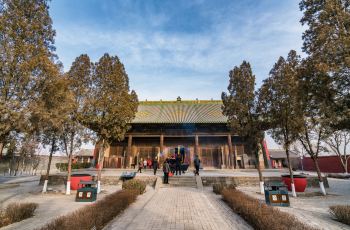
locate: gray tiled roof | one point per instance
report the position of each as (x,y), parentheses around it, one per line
(179,112)
(281,153)
(84,152)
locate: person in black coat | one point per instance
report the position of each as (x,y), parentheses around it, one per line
(196,163)
(166,170)
(178,164)
(155,165)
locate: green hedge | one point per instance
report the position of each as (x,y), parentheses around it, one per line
(64,166)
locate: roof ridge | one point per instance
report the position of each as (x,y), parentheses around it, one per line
(182,101)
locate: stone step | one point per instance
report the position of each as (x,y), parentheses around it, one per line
(182,178)
(182,181)
(175,179)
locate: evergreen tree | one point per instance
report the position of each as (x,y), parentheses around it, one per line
(26,58)
(78,79)
(327,42)
(240,107)
(50,112)
(110,106)
(316,111)
(279,104)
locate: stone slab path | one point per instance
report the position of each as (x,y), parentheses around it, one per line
(178,208)
(314,210)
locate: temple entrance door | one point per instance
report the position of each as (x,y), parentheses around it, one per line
(210,157)
(182,151)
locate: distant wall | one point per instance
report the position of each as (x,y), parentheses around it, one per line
(44,160)
(312,181)
(327,164)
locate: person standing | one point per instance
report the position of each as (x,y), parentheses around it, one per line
(178,164)
(166,170)
(155,165)
(145,164)
(197,163)
(140,167)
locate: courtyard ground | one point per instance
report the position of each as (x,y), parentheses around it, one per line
(51,205)
(177,208)
(313,208)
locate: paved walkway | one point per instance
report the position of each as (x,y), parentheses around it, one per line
(50,205)
(178,208)
(314,210)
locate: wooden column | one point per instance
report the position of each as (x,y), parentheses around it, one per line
(232,162)
(196,145)
(235,157)
(128,153)
(227,159)
(222,154)
(161,146)
(196,150)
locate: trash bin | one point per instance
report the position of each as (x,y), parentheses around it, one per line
(276,194)
(88,192)
(76,178)
(127,176)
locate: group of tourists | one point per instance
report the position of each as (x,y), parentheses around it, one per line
(167,168)
(170,165)
(148,163)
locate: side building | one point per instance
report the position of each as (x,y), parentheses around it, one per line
(165,128)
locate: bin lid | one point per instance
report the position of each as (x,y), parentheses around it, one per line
(276,184)
(87,182)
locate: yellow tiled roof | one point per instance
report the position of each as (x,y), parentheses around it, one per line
(178,112)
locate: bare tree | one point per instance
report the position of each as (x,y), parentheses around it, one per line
(338,143)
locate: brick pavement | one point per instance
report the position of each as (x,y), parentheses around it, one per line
(178,208)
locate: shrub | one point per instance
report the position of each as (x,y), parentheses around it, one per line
(135,184)
(341,213)
(217,188)
(16,212)
(95,216)
(64,166)
(259,215)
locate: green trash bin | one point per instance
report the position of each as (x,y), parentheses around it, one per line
(88,192)
(276,194)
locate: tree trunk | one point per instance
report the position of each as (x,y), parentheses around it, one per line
(100,164)
(12,164)
(49,166)
(261,179)
(344,163)
(291,173)
(70,156)
(320,179)
(17,167)
(1,149)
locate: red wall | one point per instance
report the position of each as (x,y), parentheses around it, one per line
(327,164)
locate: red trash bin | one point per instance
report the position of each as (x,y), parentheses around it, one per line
(76,178)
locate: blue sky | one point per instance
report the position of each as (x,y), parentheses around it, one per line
(178,48)
(181,48)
